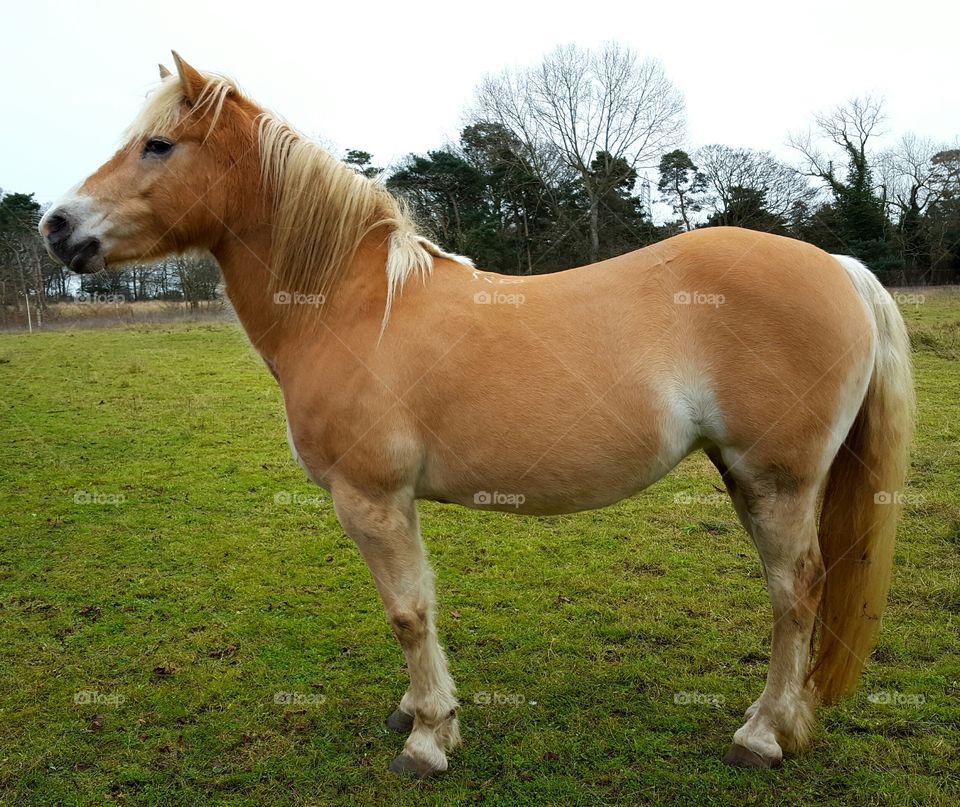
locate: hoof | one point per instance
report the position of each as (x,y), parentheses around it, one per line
(406,765)
(742,757)
(400,721)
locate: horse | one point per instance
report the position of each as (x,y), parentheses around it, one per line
(407,374)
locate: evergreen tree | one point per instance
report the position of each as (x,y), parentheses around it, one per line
(362,163)
(681,184)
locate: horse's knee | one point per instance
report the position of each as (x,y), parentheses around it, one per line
(409,624)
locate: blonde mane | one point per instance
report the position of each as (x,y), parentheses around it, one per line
(314,193)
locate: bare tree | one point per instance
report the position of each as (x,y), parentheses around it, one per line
(198,277)
(918,174)
(23,263)
(588,114)
(729,170)
(861,226)
(850,127)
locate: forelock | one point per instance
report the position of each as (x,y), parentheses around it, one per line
(166,106)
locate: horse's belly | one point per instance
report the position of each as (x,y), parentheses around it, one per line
(534,502)
(560,480)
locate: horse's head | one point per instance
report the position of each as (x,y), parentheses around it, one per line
(171,186)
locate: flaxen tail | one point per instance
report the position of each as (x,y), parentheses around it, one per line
(862,498)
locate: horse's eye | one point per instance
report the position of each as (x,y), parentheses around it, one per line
(157,147)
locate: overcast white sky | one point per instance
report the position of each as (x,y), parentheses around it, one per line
(394,78)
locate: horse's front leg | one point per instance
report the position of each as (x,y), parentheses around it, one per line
(385,528)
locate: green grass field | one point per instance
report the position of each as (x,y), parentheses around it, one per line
(183,622)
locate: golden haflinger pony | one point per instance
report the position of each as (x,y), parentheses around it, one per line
(407,374)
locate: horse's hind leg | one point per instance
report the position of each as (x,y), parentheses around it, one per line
(385,529)
(739,500)
(779,512)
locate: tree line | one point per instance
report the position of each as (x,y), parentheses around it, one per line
(562,163)
(29,276)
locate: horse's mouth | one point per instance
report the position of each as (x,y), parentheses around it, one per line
(83,258)
(88,258)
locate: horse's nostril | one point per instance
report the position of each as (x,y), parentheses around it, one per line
(57,227)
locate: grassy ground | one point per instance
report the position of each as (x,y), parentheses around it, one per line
(182,621)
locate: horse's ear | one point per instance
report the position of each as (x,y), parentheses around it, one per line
(191,79)
(163,72)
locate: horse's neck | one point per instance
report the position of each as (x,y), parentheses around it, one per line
(244,264)
(274,326)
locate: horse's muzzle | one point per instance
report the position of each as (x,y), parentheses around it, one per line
(82,255)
